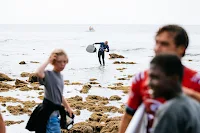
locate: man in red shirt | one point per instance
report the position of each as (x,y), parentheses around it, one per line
(169,39)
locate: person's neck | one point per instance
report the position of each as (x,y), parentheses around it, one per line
(56,70)
(171,95)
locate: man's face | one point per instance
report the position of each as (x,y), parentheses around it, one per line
(159,83)
(165,44)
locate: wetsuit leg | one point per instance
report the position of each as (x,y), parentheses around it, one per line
(99,56)
(103,56)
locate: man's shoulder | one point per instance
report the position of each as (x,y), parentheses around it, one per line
(191,77)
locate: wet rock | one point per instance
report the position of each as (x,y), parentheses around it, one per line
(115,98)
(189,60)
(125,89)
(33,78)
(20,82)
(122,62)
(3,104)
(130,76)
(116,62)
(76,83)
(22,63)
(5,87)
(18,110)
(111,127)
(76,98)
(4,77)
(77,112)
(93,82)
(25,74)
(85,88)
(34,62)
(98,117)
(122,79)
(26,88)
(118,84)
(41,97)
(96,98)
(81,127)
(93,79)
(120,69)
(8,99)
(29,104)
(8,123)
(40,93)
(114,56)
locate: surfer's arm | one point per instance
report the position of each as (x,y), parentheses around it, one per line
(107,47)
(98,43)
(126,118)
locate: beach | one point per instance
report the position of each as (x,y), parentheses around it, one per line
(106,86)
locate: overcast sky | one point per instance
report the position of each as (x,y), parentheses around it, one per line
(100,12)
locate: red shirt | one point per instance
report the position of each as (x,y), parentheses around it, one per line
(139,92)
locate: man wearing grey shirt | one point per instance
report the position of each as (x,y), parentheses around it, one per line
(180,113)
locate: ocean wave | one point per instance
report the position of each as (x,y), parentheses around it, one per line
(189,54)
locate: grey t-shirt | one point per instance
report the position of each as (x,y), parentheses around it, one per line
(179,115)
(54,85)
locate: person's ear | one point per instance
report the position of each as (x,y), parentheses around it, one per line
(181,50)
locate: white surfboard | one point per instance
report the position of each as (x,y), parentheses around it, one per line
(91,48)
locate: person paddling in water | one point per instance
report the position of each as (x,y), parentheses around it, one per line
(103,48)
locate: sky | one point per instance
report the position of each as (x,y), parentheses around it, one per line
(184,12)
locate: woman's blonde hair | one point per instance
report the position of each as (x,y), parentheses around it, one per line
(59,52)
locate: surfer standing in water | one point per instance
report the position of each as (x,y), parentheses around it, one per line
(102,49)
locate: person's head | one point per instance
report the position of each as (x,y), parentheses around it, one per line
(165,75)
(60,61)
(106,42)
(172,39)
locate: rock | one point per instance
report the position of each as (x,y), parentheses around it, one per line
(122,62)
(76,83)
(77,112)
(189,60)
(114,56)
(122,79)
(120,69)
(19,82)
(4,77)
(116,62)
(8,123)
(85,88)
(93,79)
(34,62)
(33,78)
(130,76)
(115,97)
(22,63)
(5,87)
(41,97)
(29,104)
(25,74)
(18,110)
(98,117)
(93,82)
(8,99)
(26,88)
(3,104)
(125,89)
(118,84)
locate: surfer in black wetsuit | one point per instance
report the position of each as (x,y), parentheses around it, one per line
(103,48)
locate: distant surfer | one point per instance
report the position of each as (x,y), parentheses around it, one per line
(91,28)
(103,48)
